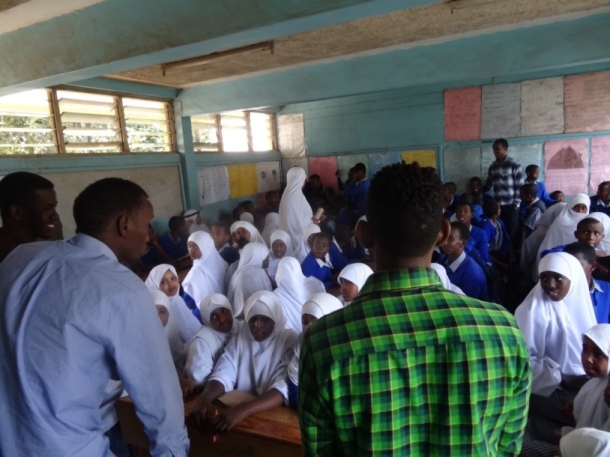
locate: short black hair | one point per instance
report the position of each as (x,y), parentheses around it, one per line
(18,189)
(451,185)
(360,167)
(586,250)
(501,142)
(104,201)
(529,189)
(175,222)
(462,229)
(476,178)
(405,208)
(465,200)
(324,235)
(603,184)
(314,177)
(270,194)
(223,226)
(555,193)
(530,168)
(588,220)
(343,233)
(490,208)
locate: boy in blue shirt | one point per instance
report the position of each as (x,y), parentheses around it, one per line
(601,202)
(534,208)
(221,234)
(494,228)
(477,245)
(532,172)
(356,193)
(600,290)
(462,270)
(174,242)
(317,263)
(589,231)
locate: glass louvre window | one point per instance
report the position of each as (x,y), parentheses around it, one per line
(234,131)
(148,125)
(26,125)
(261,125)
(90,122)
(205,133)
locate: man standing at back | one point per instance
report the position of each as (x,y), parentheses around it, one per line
(72,318)
(506,177)
(410,368)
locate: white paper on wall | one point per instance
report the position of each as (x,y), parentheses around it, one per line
(291,135)
(213,185)
(501,111)
(268,176)
(542,106)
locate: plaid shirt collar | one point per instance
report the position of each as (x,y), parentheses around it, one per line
(407,278)
(457,262)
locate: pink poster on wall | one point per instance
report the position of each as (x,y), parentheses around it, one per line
(326,168)
(463,114)
(600,162)
(587,102)
(565,166)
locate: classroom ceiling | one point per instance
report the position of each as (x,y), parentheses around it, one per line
(432,23)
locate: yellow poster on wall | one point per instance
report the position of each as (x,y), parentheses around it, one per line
(242,180)
(424,158)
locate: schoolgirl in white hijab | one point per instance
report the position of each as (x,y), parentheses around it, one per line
(293,290)
(272,223)
(194,222)
(208,344)
(304,246)
(552,329)
(254,362)
(586,442)
(208,272)
(605,220)
(295,213)
(255,236)
(274,260)
(354,276)
(447,284)
(562,230)
(250,277)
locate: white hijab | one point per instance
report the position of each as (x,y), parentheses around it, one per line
(293,290)
(273,260)
(447,284)
(250,277)
(589,407)
(255,236)
(295,213)
(318,305)
(208,272)
(304,247)
(272,223)
(356,273)
(246,217)
(175,338)
(553,329)
(605,220)
(257,367)
(191,215)
(562,229)
(586,442)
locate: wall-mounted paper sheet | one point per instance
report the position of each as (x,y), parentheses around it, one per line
(600,162)
(461,164)
(326,169)
(346,162)
(213,185)
(291,135)
(424,158)
(542,106)
(378,160)
(501,111)
(463,114)
(525,154)
(287,164)
(268,176)
(587,102)
(242,179)
(565,166)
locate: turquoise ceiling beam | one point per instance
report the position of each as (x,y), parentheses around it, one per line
(120,35)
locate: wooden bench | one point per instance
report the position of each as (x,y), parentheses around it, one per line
(269,434)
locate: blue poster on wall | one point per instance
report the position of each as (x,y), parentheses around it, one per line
(378,160)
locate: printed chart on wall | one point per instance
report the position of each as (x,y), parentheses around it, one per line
(463,114)
(501,111)
(243,180)
(566,166)
(587,99)
(346,162)
(326,169)
(378,160)
(424,158)
(525,154)
(213,185)
(268,176)
(600,162)
(461,164)
(542,106)
(287,164)
(291,135)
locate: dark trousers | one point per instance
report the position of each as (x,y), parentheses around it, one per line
(510,217)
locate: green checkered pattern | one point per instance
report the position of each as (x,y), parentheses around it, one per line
(411,369)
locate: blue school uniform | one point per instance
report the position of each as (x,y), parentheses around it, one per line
(478,242)
(354,253)
(337,258)
(465,273)
(600,298)
(598,206)
(175,250)
(151,257)
(356,195)
(311,267)
(499,241)
(552,250)
(229,254)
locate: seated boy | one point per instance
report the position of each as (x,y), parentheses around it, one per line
(589,231)
(494,228)
(348,244)
(174,242)
(221,235)
(534,208)
(317,263)
(601,202)
(557,195)
(600,290)
(477,209)
(462,270)
(477,245)
(272,198)
(155,254)
(532,172)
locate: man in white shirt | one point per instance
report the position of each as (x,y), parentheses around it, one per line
(72,317)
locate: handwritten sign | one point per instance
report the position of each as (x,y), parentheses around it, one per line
(501,111)
(600,162)
(542,106)
(213,185)
(463,114)
(587,99)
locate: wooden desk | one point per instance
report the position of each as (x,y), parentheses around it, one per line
(269,434)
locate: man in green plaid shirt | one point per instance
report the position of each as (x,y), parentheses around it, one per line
(409,368)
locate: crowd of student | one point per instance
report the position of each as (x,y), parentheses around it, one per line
(260,278)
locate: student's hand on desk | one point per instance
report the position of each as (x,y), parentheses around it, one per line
(188,387)
(229,418)
(203,413)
